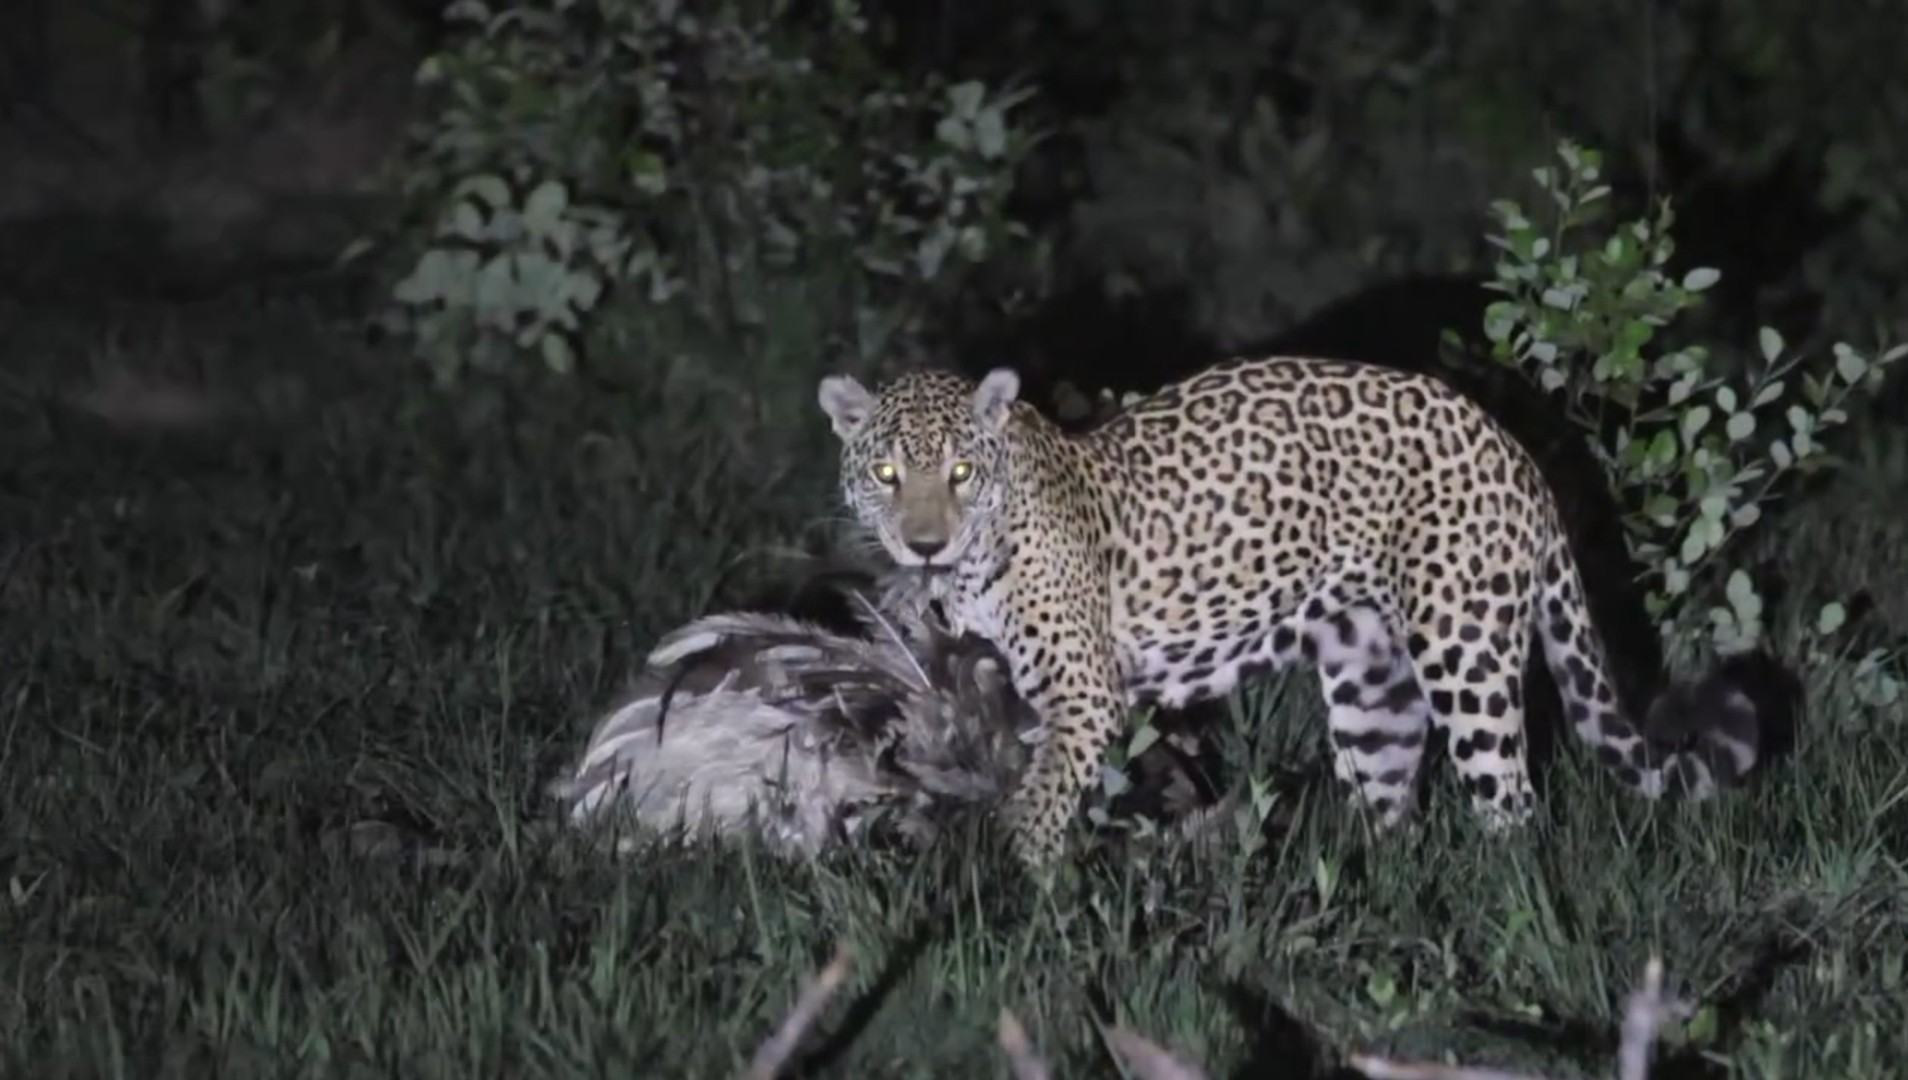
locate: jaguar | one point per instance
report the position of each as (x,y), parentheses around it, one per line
(1372,522)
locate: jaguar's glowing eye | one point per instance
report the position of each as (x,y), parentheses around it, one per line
(886,473)
(962,472)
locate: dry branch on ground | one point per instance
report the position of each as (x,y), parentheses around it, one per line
(1644,1015)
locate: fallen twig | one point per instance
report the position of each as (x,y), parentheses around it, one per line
(1148,1060)
(774,1054)
(1380,1069)
(1643,1017)
(1021,1057)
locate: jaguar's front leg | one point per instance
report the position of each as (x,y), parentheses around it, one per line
(1072,683)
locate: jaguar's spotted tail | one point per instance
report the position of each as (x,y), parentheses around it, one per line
(1695,738)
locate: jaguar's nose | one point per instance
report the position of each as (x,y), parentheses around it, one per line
(927,549)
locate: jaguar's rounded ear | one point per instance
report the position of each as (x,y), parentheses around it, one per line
(846,402)
(995,398)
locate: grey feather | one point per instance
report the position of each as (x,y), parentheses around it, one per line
(761,721)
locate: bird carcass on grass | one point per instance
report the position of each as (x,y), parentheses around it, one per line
(764,721)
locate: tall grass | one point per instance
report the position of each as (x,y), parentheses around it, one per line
(358,607)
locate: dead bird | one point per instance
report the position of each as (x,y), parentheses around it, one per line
(807,733)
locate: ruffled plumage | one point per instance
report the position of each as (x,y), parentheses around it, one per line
(763,720)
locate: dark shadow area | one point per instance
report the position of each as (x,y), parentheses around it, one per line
(1776,953)
(1277,1043)
(1598,1040)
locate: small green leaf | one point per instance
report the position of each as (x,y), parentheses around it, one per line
(1743,598)
(485,188)
(1143,740)
(356,250)
(1849,364)
(647,172)
(990,134)
(1831,618)
(1680,390)
(1661,509)
(1702,1027)
(1508,214)
(953,131)
(465,223)
(1740,426)
(1701,278)
(1770,341)
(425,282)
(1500,318)
(497,291)
(1675,579)
(585,288)
(1662,448)
(544,208)
(964,99)
(1693,422)
(557,354)
(1693,546)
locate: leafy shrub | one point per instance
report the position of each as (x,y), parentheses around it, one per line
(1694,453)
(687,156)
